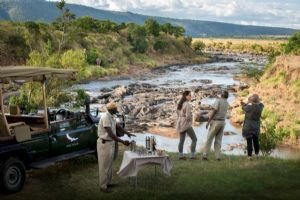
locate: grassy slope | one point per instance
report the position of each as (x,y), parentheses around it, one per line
(114,47)
(232,178)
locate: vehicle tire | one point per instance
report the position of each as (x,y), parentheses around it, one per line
(13,175)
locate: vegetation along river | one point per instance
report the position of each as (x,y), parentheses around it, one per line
(159,91)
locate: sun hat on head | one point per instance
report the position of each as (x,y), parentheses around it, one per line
(255,98)
(111,106)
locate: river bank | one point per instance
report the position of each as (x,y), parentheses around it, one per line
(149,100)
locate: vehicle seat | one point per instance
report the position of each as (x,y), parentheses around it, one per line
(22,133)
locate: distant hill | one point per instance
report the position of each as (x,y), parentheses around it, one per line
(41,10)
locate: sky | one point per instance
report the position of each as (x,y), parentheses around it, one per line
(279,13)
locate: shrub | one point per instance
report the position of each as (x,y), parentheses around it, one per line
(152,27)
(198,46)
(270,136)
(91,56)
(140,45)
(80,98)
(75,59)
(160,45)
(252,72)
(36,59)
(293,46)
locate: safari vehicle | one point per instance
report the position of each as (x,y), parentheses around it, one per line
(40,140)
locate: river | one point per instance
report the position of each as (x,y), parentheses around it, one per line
(220,73)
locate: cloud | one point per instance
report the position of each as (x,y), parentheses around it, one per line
(254,12)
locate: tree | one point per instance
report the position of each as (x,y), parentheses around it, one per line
(178,31)
(167,28)
(152,27)
(63,21)
(32,34)
(86,23)
(137,38)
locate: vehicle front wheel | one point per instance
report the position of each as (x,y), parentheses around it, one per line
(13,175)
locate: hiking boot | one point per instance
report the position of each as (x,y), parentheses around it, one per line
(194,158)
(218,159)
(250,158)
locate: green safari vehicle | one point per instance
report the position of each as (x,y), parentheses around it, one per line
(40,140)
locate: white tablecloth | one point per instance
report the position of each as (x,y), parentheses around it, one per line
(132,163)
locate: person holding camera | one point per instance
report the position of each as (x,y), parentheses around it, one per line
(251,126)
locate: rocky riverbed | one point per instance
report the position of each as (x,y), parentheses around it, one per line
(149,101)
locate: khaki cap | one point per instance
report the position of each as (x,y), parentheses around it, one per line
(111,106)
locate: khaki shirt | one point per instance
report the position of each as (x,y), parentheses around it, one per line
(107,120)
(221,106)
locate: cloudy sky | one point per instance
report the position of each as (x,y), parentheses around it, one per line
(281,13)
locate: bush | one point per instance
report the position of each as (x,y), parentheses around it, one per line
(252,72)
(188,41)
(152,27)
(160,45)
(270,136)
(91,56)
(198,46)
(140,45)
(293,46)
(75,59)
(80,98)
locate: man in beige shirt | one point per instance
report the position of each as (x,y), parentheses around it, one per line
(216,122)
(107,136)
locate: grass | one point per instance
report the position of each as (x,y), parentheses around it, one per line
(232,178)
(258,46)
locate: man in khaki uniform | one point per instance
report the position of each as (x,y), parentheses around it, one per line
(107,136)
(216,122)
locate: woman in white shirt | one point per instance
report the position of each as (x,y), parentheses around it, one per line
(184,124)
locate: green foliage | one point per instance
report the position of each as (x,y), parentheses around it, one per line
(81,98)
(91,56)
(198,46)
(252,72)
(160,45)
(152,27)
(63,22)
(293,46)
(270,135)
(188,41)
(140,45)
(75,59)
(35,59)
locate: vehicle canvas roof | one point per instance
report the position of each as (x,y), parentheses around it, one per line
(20,73)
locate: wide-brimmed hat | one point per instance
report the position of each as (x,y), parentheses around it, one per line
(111,106)
(254,98)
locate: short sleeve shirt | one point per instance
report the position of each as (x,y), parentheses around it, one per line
(221,106)
(106,120)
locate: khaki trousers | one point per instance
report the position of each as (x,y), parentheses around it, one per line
(215,132)
(105,160)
